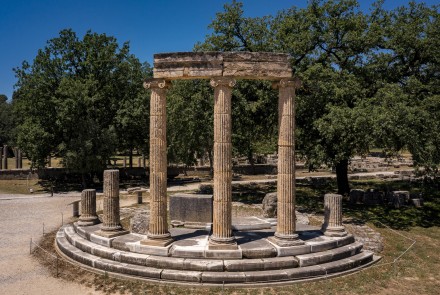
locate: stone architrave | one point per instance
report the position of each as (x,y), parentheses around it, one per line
(222,237)
(333,216)
(5,157)
(285,235)
(158,234)
(111,225)
(88,208)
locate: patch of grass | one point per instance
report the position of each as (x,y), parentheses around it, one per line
(20,186)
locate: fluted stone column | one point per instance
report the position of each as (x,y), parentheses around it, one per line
(88,208)
(5,157)
(285,234)
(222,237)
(111,225)
(158,234)
(333,216)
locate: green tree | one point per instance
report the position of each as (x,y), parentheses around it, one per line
(69,97)
(6,121)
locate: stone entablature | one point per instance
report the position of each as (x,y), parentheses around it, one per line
(206,65)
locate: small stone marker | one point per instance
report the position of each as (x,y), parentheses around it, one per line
(270,205)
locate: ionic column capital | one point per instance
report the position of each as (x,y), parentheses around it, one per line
(156,84)
(294,82)
(222,81)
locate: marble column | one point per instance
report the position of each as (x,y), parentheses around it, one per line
(158,234)
(88,208)
(5,157)
(222,237)
(111,225)
(333,216)
(285,234)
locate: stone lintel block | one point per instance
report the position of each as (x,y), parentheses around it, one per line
(205,65)
(244,265)
(165,262)
(137,247)
(223,277)
(203,265)
(142,271)
(314,258)
(262,251)
(177,275)
(223,254)
(266,276)
(305,272)
(280,262)
(133,258)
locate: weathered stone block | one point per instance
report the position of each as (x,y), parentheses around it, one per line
(270,205)
(373,197)
(191,208)
(399,198)
(356,196)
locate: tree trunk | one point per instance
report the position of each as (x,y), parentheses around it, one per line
(84,182)
(130,158)
(342,177)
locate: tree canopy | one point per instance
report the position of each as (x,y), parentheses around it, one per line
(80,99)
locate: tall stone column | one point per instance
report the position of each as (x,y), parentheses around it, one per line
(88,208)
(333,216)
(222,237)
(5,157)
(111,225)
(285,234)
(158,234)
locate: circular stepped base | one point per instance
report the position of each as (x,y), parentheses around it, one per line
(319,257)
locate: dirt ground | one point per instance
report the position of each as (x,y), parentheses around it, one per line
(22,218)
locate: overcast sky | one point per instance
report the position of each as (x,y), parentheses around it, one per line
(151,26)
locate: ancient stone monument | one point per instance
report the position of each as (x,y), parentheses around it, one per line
(222,68)
(88,208)
(262,251)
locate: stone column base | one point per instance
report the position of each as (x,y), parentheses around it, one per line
(111,234)
(286,241)
(222,244)
(157,242)
(88,221)
(334,231)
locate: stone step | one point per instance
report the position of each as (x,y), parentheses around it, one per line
(157,272)
(329,255)
(203,264)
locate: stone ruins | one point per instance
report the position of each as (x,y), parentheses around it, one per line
(255,250)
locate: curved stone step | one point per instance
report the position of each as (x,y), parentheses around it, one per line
(329,255)
(212,277)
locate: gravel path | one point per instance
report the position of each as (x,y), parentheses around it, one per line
(22,218)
